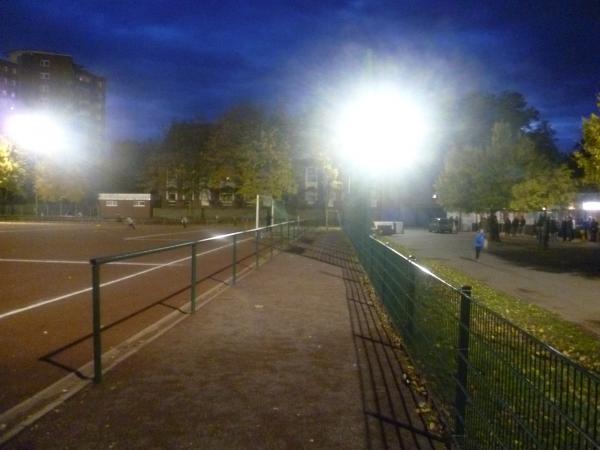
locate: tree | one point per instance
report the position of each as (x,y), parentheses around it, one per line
(11,170)
(476,114)
(482,178)
(180,162)
(53,184)
(499,143)
(252,150)
(588,159)
(550,187)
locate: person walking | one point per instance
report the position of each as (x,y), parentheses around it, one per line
(184,221)
(479,242)
(130,223)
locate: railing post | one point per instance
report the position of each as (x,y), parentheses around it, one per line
(256,247)
(234,259)
(462,359)
(193,289)
(96,322)
(411,298)
(281,235)
(288,233)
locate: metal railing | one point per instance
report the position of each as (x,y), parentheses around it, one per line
(500,387)
(269,237)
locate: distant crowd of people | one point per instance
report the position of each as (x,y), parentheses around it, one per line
(547,227)
(567,226)
(509,227)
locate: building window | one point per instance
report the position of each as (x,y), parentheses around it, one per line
(172,196)
(310,196)
(45,63)
(44,88)
(45,76)
(139,204)
(112,203)
(14,71)
(311,175)
(226,198)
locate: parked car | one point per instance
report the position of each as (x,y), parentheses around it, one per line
(440,225)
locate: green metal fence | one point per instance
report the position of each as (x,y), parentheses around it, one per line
(499,386)
(265,240)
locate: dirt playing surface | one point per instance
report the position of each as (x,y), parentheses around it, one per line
(45,267)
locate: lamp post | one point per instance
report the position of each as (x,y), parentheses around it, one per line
(379,131)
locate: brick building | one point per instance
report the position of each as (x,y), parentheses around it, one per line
(8,87)
(121,205)
(53,82)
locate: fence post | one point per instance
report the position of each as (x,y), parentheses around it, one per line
(96,322)
(462,359)
(234,258)
(193,289)
(411,298)
(256,247)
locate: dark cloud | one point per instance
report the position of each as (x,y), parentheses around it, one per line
(178,59)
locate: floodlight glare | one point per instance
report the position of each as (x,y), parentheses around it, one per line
(591,206)
(37,133)
(380,128)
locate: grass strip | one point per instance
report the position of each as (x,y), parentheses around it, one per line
(570,339)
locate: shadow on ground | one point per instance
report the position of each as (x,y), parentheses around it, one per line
(578,257)
(390,401)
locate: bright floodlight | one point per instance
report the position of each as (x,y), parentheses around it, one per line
(380,129)
(37,133)
(591,206)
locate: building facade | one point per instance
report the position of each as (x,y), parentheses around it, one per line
(8,87)
(122,205)
(53,82)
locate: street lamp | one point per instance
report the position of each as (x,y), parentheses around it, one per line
(36,132)
(378,130)
(39,134)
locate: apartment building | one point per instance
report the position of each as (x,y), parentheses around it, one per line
(8,86)
(54,82)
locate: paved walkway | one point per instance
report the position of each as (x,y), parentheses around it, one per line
(564,279)
(294,356)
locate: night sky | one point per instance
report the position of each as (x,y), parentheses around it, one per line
(181,60)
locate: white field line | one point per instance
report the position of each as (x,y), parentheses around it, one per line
(108,283)
(146,236)
(161,240)
(62,261)
(47,224)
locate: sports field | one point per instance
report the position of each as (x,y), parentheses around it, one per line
(45,292)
